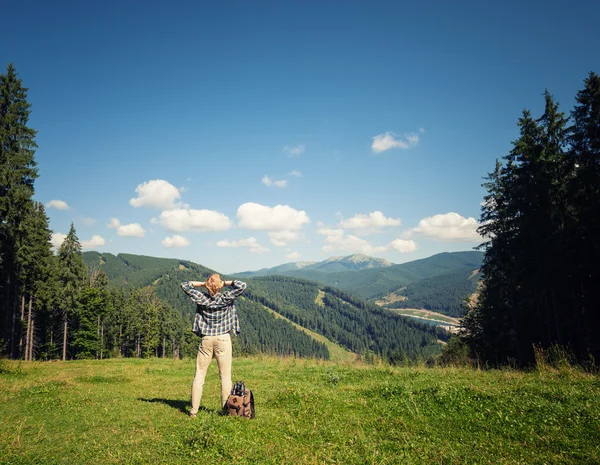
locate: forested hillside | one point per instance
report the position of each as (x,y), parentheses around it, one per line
(355,324)
(359,326)
(445,293)
(374,283)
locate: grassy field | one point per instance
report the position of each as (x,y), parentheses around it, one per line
(134,412)
(426,315)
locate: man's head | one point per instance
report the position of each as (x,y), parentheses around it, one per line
(214,284)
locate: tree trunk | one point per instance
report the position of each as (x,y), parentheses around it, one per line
(101,340)
(10,310)
(164,346)
(98,329)
(31,332)
(64,354)
(22,325)
(28,337)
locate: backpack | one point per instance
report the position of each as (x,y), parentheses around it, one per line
(240,402)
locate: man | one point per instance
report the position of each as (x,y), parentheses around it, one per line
(216,316)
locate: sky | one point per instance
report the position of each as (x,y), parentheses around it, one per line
(243,135)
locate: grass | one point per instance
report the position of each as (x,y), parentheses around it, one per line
(134,412)
(425,315)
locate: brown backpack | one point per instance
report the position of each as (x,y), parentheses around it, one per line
(240,402)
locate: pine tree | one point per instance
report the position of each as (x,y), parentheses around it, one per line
(71,276)
(34,266)
(584,216)
(17,174)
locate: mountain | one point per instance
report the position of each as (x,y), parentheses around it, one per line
(341,318)
(331,265)
(373,283)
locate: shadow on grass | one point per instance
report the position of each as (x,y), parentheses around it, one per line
(181,405)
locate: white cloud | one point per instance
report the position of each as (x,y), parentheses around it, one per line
(157,193)
(293,256)
(57,239)
(450,227)
(294,150)
(88,221)
(296,174)
(278,218)
(389,140)
(95,241)
(58,204)
(127,230)
(267,181)
(131,230)
(282,238)
(403,246)
(365,224)
(250,243)
(194,220)
(336,239)
(176,241)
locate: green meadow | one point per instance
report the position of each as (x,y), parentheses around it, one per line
(134,411)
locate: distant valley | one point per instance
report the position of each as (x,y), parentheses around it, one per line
(438,283)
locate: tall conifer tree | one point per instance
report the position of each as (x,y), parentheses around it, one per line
(17,174)
(71,277)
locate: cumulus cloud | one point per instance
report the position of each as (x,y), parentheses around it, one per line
(114,223)
(403,246)
(131,230)
(389,140)
(250,243)
(175,241)
(294,150)
(267,181)
(95,241)
(293,256)
(194,220)
(157,193)
(57,239)
(336,239)
(282,238)
(450,227)
(296,174)
(278,218)
(365,224)
(58,204)
(127,230)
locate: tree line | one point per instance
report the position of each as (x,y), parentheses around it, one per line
(541,224)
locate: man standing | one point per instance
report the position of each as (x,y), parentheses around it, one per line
(216,316)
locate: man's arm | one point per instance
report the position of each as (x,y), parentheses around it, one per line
(196,296)
(238,289)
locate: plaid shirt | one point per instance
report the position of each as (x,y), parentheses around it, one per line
(215,315)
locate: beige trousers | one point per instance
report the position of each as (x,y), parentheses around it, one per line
(220,347)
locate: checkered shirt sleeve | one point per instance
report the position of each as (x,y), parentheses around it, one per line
(215,315)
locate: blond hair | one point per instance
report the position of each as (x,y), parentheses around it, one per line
(214,284)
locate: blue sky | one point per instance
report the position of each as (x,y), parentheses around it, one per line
(242,135)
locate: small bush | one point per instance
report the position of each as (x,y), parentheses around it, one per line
(456,353)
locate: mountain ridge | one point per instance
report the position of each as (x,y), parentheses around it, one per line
(331,264)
